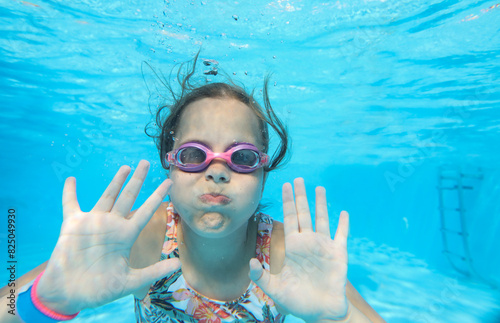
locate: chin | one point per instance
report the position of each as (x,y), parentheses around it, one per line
(212,221)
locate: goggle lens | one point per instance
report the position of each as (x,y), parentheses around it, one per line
(191,155)
(245,157)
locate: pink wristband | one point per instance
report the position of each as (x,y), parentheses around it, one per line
(42,308)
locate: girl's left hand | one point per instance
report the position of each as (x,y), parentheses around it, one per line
(312,281)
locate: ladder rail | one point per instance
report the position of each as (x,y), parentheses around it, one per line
(443,224)
(452,263)
(463,232)
(444,229)
(463,224)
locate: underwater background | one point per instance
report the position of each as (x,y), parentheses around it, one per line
(381,98)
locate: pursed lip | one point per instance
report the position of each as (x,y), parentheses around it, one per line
(215,198)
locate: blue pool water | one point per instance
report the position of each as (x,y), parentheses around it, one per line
(377,96)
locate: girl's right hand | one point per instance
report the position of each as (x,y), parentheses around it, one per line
(90,265)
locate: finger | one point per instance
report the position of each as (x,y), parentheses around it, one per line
(147,276)
(291,224)
(261,277)
(342,229)
(127,198)
(108,198)
(322,221)
(69,200)
(303,212)
(142,216)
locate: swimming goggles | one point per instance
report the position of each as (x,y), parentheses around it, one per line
(195,157)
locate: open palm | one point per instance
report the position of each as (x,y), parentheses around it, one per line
(90,264)
(311,284)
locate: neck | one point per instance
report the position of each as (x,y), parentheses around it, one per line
(217,268)
(217,252)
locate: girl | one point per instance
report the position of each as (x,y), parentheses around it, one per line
(221,260)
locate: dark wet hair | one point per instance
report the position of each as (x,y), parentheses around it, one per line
(168,114)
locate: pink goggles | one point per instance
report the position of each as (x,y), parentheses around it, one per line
(195,157)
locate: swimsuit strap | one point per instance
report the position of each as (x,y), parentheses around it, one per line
(169,249)
(264,230)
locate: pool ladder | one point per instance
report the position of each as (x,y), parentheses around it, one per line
(452,179)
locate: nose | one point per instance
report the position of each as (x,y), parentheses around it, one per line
(218,171)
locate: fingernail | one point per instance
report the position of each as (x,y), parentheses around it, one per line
(144,163)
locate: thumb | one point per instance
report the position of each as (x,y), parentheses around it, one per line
(147,276)
(260,276)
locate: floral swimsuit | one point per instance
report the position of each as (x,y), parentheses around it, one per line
(171,299)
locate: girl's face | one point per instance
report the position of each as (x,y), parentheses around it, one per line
(218,123)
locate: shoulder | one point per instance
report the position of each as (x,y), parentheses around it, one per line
(277,250)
